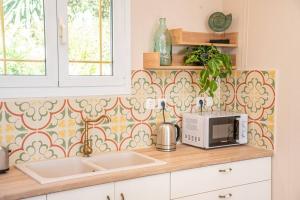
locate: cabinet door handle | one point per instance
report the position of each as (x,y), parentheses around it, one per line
(225,170)
(107,197)
(227,196)
(122,196)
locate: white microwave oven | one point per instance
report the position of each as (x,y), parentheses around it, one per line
(214,129)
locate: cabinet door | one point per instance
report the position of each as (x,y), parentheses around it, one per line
(146,188)
(99,192)
(255,191)
(37,198)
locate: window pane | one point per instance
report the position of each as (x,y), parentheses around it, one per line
(107,69)
(106,31)
(84,69)
(89,26)
(25,68)
(22,37)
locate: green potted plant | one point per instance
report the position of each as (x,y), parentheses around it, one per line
(216,64)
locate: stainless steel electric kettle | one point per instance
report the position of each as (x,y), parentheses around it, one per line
(168,135)
(4,163)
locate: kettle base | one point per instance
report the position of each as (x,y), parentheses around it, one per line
(166,149)
(2,171)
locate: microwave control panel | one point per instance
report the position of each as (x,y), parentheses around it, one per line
(192,131)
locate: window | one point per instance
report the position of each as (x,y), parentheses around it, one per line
(90,55)
(27,57)
(22,39)
(67,47)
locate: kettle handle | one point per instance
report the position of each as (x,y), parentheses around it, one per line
(177,132)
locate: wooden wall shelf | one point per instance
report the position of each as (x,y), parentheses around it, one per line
(174,68)
(178,68)
(185,38)
(206,44)
(152,62)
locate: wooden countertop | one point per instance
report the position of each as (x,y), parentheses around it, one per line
(16,185)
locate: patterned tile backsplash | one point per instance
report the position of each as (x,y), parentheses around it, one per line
(253,92)
(38,129)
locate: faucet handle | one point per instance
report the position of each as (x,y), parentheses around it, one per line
(100,120)
(103,119)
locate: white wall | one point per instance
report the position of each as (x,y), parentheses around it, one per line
(273,42)
(238,9)
(191,15)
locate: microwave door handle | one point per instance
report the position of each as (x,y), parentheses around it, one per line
(177,132)
(236,127)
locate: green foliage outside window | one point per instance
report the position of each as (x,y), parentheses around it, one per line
(25,36)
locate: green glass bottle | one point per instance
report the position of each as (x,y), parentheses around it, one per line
(163,43)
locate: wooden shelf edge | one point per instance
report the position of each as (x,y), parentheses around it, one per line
(188,38)
(178,68)
(207,44)
(174,68)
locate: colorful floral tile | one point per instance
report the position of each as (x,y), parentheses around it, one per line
(144,86)
(140,137)
(34,114)
(261,135)
(33,146)
(255,93)
(228,93)
(91,107)
(181,92)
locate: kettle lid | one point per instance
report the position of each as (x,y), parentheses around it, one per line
(167,123)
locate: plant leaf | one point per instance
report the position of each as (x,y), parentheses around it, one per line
(205,86)
(213,85)
(204,74)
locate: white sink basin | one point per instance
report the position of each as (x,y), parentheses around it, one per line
(123,160)
(50,171)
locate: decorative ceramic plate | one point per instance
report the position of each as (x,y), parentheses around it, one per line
(218,22)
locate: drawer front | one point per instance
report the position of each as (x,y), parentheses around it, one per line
(255,191)
(98,192)
(205,179)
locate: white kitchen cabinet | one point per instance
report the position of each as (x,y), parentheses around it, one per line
(37,198)
(215,177)
(255,191)
(99,192)
(147,188)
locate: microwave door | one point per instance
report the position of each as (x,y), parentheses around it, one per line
(222,131)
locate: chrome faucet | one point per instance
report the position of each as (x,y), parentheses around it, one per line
(87,149)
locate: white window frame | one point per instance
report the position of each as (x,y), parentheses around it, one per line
(63,85)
